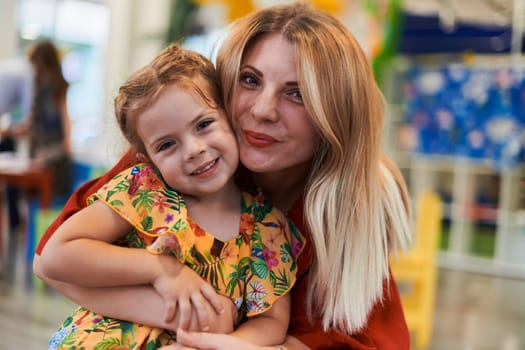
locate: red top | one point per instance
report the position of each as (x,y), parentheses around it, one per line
(386,329)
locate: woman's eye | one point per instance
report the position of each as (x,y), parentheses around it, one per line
(296,95)
(249,79)
(165,145)
(203,124)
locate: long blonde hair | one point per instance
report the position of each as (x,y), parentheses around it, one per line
(355,206)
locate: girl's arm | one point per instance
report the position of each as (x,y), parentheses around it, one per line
(80,252)
(269,328)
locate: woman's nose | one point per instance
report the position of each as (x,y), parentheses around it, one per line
(264,107)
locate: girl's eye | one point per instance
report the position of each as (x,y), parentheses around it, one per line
(249,79)
(165,145)
(204,124)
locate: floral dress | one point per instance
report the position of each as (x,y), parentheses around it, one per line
(253,269)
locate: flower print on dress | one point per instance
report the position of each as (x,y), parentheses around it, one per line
(60,335)
(197,230)
(161,202)
(137,175)
(255,297)
(169,218)
(246,226)
(258,263)
(151,181)
(270,258)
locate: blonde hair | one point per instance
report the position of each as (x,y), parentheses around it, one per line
(173,65)
(355,206)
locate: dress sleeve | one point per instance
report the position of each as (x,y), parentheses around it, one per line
(275,246)
(78,199)
(140,196)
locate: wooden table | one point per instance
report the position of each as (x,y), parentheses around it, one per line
(31,178)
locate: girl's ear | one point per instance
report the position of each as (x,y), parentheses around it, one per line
(142,157)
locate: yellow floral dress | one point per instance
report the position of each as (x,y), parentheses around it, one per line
(254,269)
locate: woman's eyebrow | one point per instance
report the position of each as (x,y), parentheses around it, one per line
(258,72)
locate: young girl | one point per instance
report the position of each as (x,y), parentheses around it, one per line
(181,202)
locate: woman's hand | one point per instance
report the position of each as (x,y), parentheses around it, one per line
(210,341)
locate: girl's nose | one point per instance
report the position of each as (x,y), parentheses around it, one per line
(264,107)
(194,147)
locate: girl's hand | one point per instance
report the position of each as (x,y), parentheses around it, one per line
(223,323)
(185,293)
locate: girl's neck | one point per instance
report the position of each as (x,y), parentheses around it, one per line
(282,188)
(218,213)
(225,198)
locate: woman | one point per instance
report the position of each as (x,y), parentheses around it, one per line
(48,125)
(308,117)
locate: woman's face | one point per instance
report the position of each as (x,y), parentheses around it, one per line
(273,128)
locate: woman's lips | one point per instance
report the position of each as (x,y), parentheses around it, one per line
(258,139)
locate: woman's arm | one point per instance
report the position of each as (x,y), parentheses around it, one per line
(211,341)
(121,302)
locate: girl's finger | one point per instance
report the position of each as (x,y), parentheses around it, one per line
(201,311)
(184,313)
(169,314)
(212,297)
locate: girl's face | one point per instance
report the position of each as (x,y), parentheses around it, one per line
(190,143)
(273,128)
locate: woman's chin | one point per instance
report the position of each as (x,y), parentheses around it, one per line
(257,165)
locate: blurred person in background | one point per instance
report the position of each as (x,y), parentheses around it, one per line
(16,97)
(48,125)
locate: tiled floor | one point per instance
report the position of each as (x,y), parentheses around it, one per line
(478,312)
(473,312)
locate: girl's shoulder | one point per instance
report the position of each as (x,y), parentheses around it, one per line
(270,224)
(141,197)
(141,178)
